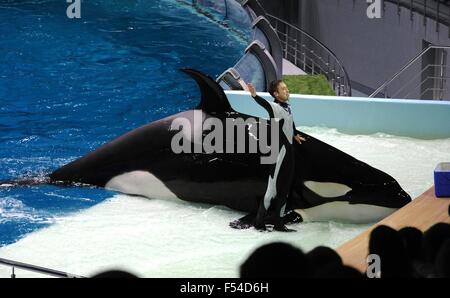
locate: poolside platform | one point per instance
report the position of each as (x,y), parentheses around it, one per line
(422,213)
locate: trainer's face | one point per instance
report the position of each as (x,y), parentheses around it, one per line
(282,93)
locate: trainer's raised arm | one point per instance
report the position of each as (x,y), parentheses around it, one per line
(251,89)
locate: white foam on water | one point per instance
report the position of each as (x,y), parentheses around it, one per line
(157,238)
(12,209)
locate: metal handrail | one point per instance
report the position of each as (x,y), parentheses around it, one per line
(432,89)
(426,90)
(331,74)
(38,269)
(426,9)
(415,76)
(407,65)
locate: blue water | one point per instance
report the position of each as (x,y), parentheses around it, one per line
(69,85)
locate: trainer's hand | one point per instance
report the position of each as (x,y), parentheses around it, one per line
(251,89)
(299,139)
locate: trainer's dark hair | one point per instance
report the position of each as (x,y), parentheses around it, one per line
(273,87)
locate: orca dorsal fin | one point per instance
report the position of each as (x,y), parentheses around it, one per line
(213,98)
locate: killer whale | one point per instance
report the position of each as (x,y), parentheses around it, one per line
(328,183)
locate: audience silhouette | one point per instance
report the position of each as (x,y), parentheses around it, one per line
(114,274)
(276,260)
(442,263)
(406,253)
(388,244)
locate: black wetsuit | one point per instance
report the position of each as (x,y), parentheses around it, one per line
(272,209)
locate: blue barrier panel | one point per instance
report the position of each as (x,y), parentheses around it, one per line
(238,17)
(259,35)
(251,71)
(412,118)
(217,6)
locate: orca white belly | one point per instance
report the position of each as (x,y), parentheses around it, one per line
(140,183)
(345,212)
(145,184)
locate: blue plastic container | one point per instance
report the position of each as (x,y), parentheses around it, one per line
(442,180)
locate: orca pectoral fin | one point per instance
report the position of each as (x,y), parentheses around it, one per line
(292,218)
(245,222)
(284,229)
(249,221)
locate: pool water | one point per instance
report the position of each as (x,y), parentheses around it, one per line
(69,85)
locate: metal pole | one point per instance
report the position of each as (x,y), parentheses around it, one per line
(287,40)
(328,67)
(437,16)
(276,27)
(296,48)
(304,58)
(441,92)
(339,80)
(425,13)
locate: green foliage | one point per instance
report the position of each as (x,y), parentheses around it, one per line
(308,84)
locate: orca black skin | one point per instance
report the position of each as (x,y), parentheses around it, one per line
(142,162)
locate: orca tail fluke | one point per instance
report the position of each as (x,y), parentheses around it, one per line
(36,181)
(26,181)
